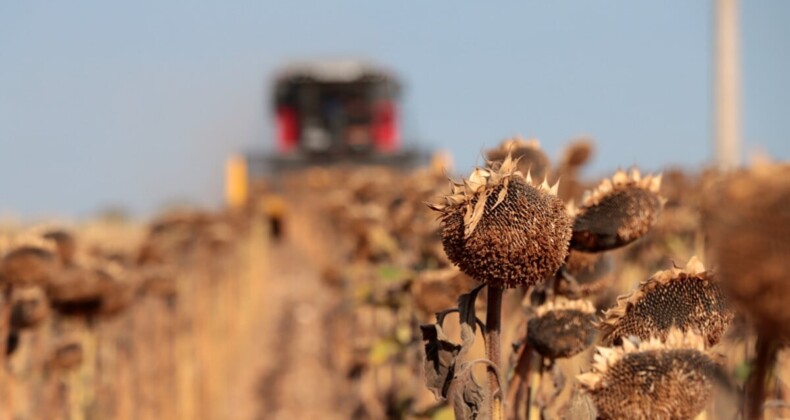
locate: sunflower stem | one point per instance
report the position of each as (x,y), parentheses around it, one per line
(518,386)
(5,330)
(535,379)
(493,350)
(766,349)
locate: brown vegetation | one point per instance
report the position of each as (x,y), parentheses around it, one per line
(362,297)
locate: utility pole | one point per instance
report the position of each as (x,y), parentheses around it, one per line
(727,88)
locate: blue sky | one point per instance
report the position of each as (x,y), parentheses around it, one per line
(137,104)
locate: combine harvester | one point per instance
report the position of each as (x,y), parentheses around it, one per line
(328,112)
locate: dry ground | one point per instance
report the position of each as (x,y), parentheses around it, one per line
(289,376)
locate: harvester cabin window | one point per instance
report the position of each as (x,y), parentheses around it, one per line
(322,109)
(358,119)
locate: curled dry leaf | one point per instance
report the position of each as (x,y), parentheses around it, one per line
(467,395)
(440,355)
(447,375)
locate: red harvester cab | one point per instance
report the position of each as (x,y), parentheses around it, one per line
(336,109)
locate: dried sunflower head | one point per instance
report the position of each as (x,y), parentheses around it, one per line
(619,211)
(104,289)
(651,379)
(78,290)
(65,243)
(747,219)
(574,156)
(562,328)
(28,260)
(528,154)
(502,230)
(577,153)
(688,299)
(29,307)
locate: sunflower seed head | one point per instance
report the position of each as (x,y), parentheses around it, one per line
(617,212)
(563,304)
(622,179)
(646,379)
(496,217)
(686,298)
(562,328)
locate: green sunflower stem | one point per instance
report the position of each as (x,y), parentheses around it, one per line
(493,348)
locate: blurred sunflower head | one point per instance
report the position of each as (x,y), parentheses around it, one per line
(747,219)
(562,328)
(529,157)
(617,212)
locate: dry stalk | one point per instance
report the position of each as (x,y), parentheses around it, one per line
(767,349)
(518,386)
(493,348)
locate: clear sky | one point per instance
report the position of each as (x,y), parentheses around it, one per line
(137,104)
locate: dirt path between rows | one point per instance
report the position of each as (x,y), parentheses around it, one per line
(289,376)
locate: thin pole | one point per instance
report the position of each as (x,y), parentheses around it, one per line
(727,89)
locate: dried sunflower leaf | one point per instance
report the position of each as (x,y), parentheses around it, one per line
(468,320)
(466,395)
(440,355)
(466,307)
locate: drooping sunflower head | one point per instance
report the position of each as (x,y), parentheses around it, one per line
(562,328)
(617,212)
(651,379)
(27,259)
(501,229)
(577,153)
(747,219)
(689,299)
